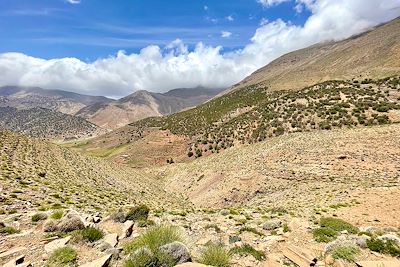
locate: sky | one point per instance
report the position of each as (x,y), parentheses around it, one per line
(114,48)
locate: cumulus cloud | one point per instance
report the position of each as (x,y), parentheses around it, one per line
(230,18)
(74,1)
(162,68)
(226,34)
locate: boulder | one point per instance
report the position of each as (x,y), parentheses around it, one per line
(119,216)
(111,239)
(127,229)
(272,224)
(101,262)
(56,244)
(177,250)
(19,261)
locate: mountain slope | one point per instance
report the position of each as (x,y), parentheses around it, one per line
(374,54)
(57,100)
(143,104)
(46,123)
(48,175)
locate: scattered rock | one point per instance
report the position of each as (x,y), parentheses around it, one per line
(272,224)
(111,239)
(12,251)
(390,237)
(19,261)
(50,226)
(56,244)
(101,262)
(127,229)
(119,216)
(192,264)
(177,250)
(393,263)
(234,239)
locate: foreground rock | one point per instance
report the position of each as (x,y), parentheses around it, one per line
(177,250)
(56,244)
(101,262)
(19,262)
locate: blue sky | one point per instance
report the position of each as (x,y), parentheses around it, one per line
(98,28)
(116,47)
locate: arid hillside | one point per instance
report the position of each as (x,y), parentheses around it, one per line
(374,54)
(47,124)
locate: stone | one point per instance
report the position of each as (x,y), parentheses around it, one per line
(383,263)
(96,219)
(127,229)
(119,216)
(272,224)
(50,226)
(101,262)
(19,261)
(177,250)
(234,239)
(12,251)
(56,244)
(70,222)
(111,239)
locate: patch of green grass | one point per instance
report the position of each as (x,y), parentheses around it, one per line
(62,257)
(387,247)
(246,249)
(146,248)
(56,215)
(138,213)
(8,230)
(216,255)
(39,217)
(324,235)
(251,230)
(286,228)
(338,225)
(347,253)
(89,234)
(145,223)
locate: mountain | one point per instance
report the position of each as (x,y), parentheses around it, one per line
(46,123)
(374,54)
(143,104)
(57,100)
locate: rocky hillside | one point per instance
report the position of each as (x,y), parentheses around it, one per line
(47,124)
(374,54)
(256,113)
(143,104)
(57,100)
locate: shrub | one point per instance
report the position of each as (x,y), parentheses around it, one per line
(216,255)
(65,256)
(251,230)
(387,247)
(345,252)
(324,234)
(138,213)
(338,225)
(58,214)
(89,234)
(248,250)
(146,248)
(39,217)
(145,223)
(8,230)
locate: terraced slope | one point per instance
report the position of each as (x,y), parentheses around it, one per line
(39,174)
(46,123)
(255,114)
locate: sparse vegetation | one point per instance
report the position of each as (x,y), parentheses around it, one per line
(39,217)
(89,234)
(384,246)
(138,213)
(62,257)
(347,253)
(216,255)
(246,249)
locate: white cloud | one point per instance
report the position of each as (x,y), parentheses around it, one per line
(159,69)
(205,8)
(268,3)
(226,34)
(74,1)
(230,18)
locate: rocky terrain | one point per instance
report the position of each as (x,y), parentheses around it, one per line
(143,104)
(47,124)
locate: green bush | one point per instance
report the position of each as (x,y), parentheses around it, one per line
(387,247)
(39,217)
(89,234)
(138,213)
(145,223)
(62,257)
(324,234)
(146,248)
(338,225)
(8,230)
(345,252)
(251,230)
(58,214)
(216,255)
(248,250)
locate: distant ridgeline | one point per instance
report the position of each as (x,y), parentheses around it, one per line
(254,113)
